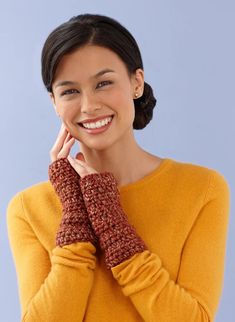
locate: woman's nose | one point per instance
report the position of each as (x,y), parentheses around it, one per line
(89,104)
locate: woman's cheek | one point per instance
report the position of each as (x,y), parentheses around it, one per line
(67,110)
(70,116)
(113,98)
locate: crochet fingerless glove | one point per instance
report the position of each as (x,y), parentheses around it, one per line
(117,237)
(75,225)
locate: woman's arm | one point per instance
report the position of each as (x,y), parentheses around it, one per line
(194,296)
(55,289)
(49,290)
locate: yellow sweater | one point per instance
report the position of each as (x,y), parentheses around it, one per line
(180,210)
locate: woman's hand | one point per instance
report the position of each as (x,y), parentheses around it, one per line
(80,166)
(62,148)
(74,226)
(63,145)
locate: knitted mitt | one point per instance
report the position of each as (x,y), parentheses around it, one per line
(118,239)
(75,225)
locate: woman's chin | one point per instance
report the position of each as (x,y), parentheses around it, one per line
(99,146)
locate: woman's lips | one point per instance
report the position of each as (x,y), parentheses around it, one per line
(96,119)
(97,130)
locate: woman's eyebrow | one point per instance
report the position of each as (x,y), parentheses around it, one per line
(64,83)
(100,73)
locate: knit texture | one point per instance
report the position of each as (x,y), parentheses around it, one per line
(117,237)
(75,225)
(180,210)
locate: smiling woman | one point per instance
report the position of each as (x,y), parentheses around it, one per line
(116,233)
(90,84)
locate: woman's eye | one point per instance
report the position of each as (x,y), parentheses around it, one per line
(69,92)
(101,84)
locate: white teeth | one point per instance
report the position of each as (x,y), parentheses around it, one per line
(98,124)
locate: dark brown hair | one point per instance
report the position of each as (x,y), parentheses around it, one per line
(102,31)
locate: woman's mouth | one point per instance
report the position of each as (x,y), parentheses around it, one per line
(97,127)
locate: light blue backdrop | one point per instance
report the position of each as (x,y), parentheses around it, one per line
(188,50)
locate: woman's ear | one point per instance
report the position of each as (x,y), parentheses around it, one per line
(138,82)
(53,102)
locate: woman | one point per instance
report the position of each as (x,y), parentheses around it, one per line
(116,234)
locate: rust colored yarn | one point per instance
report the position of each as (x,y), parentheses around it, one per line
(75,225)
(117,237)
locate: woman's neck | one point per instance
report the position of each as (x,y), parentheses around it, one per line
(128,162)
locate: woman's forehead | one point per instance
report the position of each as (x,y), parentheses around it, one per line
(89,62)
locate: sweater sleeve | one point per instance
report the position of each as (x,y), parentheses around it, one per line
(195,294)
(55,289)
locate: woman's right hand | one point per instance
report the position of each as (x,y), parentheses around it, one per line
(75,225)
(63,144)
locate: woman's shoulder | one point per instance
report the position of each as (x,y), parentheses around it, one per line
(33,196)
(192,174)
(181,168)
(34,213)
(36,190)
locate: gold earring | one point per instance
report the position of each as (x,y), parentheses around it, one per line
(136,95)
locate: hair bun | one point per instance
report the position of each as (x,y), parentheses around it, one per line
(144,108)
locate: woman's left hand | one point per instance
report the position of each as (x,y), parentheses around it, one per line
(80,166)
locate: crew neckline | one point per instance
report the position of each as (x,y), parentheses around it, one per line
(165,162)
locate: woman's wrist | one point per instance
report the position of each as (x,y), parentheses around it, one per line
(117,237)
(64,179)
(75,225)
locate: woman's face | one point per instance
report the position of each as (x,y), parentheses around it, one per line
(93,82)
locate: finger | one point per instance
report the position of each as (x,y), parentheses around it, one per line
(58,143)
(78,167)
(64,152)
(61,137)
(84,165)
(68,137)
